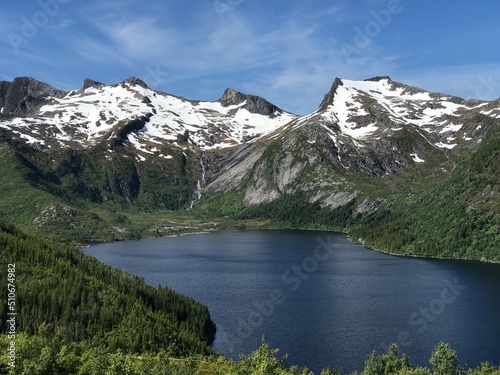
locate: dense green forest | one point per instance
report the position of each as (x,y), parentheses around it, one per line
(458,218)
(47,354)
(75,315)
(57,286)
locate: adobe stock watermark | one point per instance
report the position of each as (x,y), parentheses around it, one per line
(425,316)
(224,6)
(363,36)
(291,279)
(156,76)
(31,26)
(488,88)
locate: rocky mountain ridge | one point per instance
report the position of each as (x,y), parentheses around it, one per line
(359,109)
(375,127)
(85,117)
(369,145)
(23,93)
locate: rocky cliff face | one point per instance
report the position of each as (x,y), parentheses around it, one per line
(252,103)
(88,83)
(20,96)
(376,128)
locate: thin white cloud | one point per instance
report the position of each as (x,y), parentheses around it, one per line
(141,39)
(97,51)
(60,26)
(290,57)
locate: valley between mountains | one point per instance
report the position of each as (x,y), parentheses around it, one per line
(396,167)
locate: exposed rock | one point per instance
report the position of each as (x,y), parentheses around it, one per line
(19,96)
(378,78)
(334,200)
(365,208)
(260,191)
(136,82)
(328,99)
(227,171)
(232,97)
(87,82)
(4,89)
(254,104)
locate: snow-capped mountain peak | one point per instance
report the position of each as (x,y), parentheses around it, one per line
(364,109)
(87,116)
(361,111)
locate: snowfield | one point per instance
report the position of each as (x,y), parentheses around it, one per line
(83,118)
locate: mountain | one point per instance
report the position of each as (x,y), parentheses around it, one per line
(375,159)
(22,94)
(97,112)
(376,127)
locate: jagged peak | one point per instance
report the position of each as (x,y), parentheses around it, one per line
(254,104)
(134,81)
(232,97)
(30,83)
(328,98)
(379,78)
(18,96)
(87,82)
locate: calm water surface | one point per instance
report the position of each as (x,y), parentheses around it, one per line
(320,298)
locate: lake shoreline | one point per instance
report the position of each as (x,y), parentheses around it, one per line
(346,234)
(420,256)
(251,280)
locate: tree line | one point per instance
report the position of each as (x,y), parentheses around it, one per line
(58,286)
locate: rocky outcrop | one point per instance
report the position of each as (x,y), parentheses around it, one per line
(133,81)
(87,83)
(328,99)
(254,104)
(22,94)
(365,208)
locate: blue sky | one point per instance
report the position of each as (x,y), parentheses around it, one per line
(288,51)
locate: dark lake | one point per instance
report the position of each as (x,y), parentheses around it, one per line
(320,298)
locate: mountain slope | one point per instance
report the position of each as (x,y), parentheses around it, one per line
(58,287)
(373,128)
(370,150)
(85,117)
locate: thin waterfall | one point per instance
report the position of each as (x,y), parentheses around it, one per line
(201,182)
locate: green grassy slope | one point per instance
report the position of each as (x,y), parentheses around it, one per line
(458,217)
(61,287)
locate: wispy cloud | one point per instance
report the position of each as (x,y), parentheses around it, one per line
(288,52)
(139,39)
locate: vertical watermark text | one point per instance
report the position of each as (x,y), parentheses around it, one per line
(11,314)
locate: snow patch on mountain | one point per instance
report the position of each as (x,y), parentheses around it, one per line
(355,107)
(361,111)
(416,159)
(87,116)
